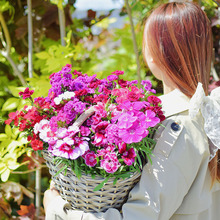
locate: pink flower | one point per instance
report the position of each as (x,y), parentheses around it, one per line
(122,94)
(135,94)
(84,131)
(112,77)
(128,156)
(110,163)
(134,134)
(118,72)
(26,94)
(151,118)
(62,149)
(90,159)
(106,150)
(126,120)
(112,134)
(99,137)
(70,148)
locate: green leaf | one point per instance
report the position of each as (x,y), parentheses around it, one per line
(42,55)
(5,175)
(62,169)
(139,160)
(15,90)
(115,181)
(10,104)
(3,137)
(97,188)
(8,130)
(76,169)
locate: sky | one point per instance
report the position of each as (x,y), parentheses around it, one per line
(98,5)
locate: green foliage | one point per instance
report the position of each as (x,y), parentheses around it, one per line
(12,146)
(5,6)
(102,54)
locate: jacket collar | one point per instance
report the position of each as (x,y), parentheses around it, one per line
(174,102)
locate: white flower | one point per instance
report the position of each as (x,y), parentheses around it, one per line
(65,96)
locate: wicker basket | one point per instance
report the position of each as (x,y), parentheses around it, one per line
(79,192)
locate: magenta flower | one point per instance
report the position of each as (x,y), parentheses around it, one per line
(147,85)
(112,134)
(90,159)
(151,119)
(106,150)
(84,131)
(128,156)
(112,77)
(130,106)
(126,120)
(110,163)
(133,134)
(26,94)
(118,72)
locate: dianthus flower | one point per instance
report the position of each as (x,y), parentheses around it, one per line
(90,159)
(118,72)
(110,163)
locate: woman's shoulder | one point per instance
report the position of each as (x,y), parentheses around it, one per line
(181,133)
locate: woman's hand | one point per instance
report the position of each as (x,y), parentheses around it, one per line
(49,195)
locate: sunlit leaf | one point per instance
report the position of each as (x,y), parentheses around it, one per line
(15,90)
(42,55)
(8,130)
(10,104)
(104,23)
(5,175)
(3,137)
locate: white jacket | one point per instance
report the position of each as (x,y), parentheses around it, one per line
(177,185)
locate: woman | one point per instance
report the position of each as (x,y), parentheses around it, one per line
(183,180)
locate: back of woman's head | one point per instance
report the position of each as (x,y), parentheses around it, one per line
(179,39)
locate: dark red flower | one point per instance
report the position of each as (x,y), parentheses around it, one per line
(94,84)
(128,156)
(26,94)
(81,92)
(153,100)
(122,83)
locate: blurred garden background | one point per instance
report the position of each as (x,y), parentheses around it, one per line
(39,37)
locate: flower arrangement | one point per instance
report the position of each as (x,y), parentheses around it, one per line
(113,136)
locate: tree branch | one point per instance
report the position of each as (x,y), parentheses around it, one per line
(61,15)
(6,32)
(134,41)
(7,51)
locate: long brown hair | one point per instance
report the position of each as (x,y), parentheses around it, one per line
(179,39)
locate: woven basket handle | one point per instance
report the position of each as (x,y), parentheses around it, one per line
(79,121)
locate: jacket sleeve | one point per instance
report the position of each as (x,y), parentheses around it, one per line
(166,181)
